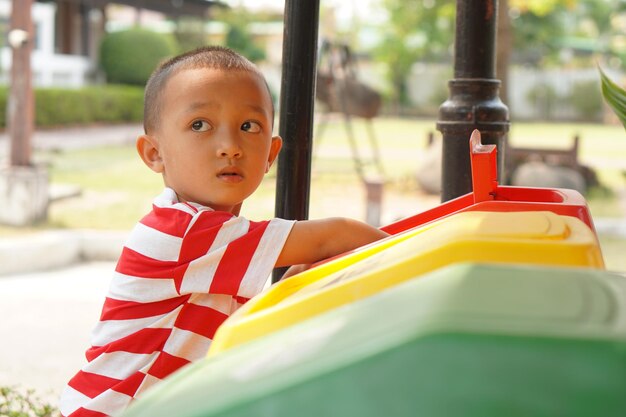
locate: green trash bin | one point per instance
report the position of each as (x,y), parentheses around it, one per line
(469,340)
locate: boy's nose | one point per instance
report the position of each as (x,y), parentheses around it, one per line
(229,148)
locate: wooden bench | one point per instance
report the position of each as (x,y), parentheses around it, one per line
(568,157)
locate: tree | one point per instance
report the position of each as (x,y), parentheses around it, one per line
(543,29)
(238,36)
(538,26)
(240,40)
(524,27)
(415,30)
(603,22)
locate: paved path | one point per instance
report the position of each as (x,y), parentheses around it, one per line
(78,137)
(45,322)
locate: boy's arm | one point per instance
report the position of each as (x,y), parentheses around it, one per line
(313,240)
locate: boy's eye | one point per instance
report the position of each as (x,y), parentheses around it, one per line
(252,127)
(200,126)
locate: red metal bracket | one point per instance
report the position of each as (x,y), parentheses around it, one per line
(484,169)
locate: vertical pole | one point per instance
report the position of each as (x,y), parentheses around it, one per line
(296,109)
(64,26)
(21,101)
(474,102)
(85,28)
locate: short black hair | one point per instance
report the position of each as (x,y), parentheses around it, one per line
(216,57)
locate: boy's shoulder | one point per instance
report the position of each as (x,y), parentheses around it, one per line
(173,217)
(178,219)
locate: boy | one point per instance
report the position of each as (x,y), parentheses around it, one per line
(192,261)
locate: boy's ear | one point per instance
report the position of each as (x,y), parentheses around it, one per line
(275,146)
(148,149)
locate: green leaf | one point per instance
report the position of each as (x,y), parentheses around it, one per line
(615,96)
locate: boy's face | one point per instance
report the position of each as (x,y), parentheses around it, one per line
(214,141)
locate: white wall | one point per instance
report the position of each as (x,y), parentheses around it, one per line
(427,79)
(49,69)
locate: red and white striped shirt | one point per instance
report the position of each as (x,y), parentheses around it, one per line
(184,269)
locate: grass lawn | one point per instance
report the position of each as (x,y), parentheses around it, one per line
(117,189)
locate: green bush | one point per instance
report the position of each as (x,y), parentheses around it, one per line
(130,56)
(98,104)
(586,99)
(20,403)
(239,40)
(545,98)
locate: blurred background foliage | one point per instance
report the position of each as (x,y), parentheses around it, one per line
(393,40)
(111,103)
(130,56)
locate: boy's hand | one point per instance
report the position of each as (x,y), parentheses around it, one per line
(311,241)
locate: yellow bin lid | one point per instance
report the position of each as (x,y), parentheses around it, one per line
(543,238)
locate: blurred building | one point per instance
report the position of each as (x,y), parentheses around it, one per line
(51,66)
(68,34)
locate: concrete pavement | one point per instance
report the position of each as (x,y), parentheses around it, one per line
(45,322)
(54,249)
(78,137)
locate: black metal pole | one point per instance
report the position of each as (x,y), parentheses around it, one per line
(297,97)
(474,102)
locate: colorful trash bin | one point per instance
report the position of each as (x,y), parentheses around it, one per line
(471,340)
(516,237)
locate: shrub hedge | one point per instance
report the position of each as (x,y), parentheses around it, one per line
(130,56)
(107,103)
(586,99)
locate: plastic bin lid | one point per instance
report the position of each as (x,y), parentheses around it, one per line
(533,225)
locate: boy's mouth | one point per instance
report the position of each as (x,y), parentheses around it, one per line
(230,175)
